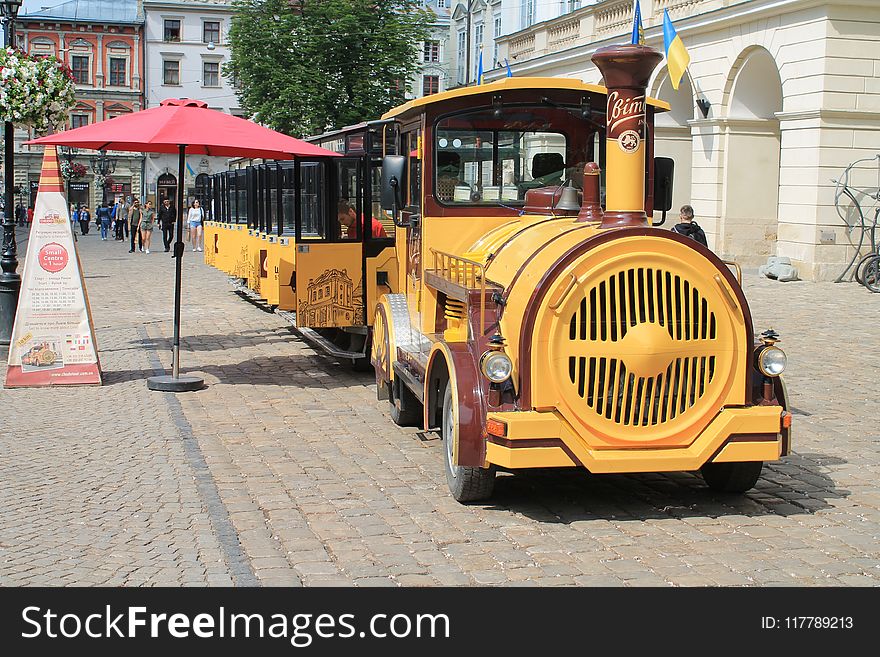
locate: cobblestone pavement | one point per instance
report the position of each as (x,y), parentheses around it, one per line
(285,470)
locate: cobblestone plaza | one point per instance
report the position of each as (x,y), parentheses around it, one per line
(286,470)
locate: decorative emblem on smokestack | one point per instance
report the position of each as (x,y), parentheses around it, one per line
(626,70)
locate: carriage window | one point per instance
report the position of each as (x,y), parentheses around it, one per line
(312,212)
(484,159)
(348,207)
(415,169)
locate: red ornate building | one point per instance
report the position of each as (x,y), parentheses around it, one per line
(103,43)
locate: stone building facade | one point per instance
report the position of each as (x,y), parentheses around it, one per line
(780,96)
(102,42)
(186,46)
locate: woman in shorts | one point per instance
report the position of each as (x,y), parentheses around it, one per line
(148,217)
(194,218)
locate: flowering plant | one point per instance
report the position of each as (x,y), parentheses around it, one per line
(36,91)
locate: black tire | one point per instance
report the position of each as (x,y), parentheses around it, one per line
(406,411)
(871,274)
(467,484)
(732,477)
(860,267)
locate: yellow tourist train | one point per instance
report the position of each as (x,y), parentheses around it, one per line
(489,252)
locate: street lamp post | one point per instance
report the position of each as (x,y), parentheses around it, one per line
(68,153)
(103,166)
(10,281)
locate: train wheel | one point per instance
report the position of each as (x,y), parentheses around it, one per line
(406,411)
(731,477)
(467,484)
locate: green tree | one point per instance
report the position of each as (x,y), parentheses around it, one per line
(306,66)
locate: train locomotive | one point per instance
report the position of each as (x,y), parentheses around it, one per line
(505,283)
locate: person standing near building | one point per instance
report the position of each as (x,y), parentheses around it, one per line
(74,217)
(145,227)
(119,214)
(688,227)
(20,214)
(194,218)
(134,220)
(30,216)
(167,217)
(85,218)
(102,214)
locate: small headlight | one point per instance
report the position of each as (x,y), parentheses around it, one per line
(496,366)
(771,361)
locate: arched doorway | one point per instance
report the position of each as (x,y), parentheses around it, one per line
(672,135)
(750,194)
(166,187)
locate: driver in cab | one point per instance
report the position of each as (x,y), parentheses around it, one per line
(347,217)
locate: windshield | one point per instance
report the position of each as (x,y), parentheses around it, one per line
(482,159)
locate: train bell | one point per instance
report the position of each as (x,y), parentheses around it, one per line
(568,200)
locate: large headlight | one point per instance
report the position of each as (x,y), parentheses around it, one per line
(496,366)
(771,361)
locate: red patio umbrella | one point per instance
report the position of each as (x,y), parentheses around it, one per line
(184,126)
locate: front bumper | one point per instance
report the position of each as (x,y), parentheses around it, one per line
(543,439)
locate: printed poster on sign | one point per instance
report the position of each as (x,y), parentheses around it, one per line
(53,339)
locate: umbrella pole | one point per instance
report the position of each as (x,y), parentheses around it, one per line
(175,382)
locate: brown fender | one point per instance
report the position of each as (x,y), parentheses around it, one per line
(468,392)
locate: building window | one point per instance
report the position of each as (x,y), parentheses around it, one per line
(478,48)
(442,4)
(170,72)
(574,4)
(172,31)
(528,13)
(430,84)
(79,64)
(432,51)
(211,32)
(211,74)
(462,46)
(79,120)
(496,34)
(117,72)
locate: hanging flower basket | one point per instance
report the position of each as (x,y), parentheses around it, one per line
(35,91)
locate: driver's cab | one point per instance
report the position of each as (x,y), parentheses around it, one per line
(469,157)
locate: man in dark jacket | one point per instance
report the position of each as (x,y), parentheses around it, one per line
(688,227)
(167,217)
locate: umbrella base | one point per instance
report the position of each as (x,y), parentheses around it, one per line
(167,383)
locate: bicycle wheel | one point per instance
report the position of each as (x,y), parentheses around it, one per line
(860,268)
(871,274)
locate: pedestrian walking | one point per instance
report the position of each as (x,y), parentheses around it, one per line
(167,217)
(20,214)
(74,217)
(85,218)
(30,217)
(134,220)
(102,214)
(194,218)
(688,227)
(119,215)
(145,227)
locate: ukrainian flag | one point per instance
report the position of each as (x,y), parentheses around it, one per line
(480,67)
(677,58)
(638,34)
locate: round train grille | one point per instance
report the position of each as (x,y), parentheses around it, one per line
(640,347)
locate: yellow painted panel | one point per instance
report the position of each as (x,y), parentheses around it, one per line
(522,426)
(527,457)
(329,281)
(286,274)
(386,261)
(749,451)
(270,287)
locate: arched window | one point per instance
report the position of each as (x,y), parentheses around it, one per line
(166,187)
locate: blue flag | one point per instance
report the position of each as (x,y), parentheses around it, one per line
(480,67)
(638,33)
(509,72)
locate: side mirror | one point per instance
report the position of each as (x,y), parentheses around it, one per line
(393,184)
(663,171)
